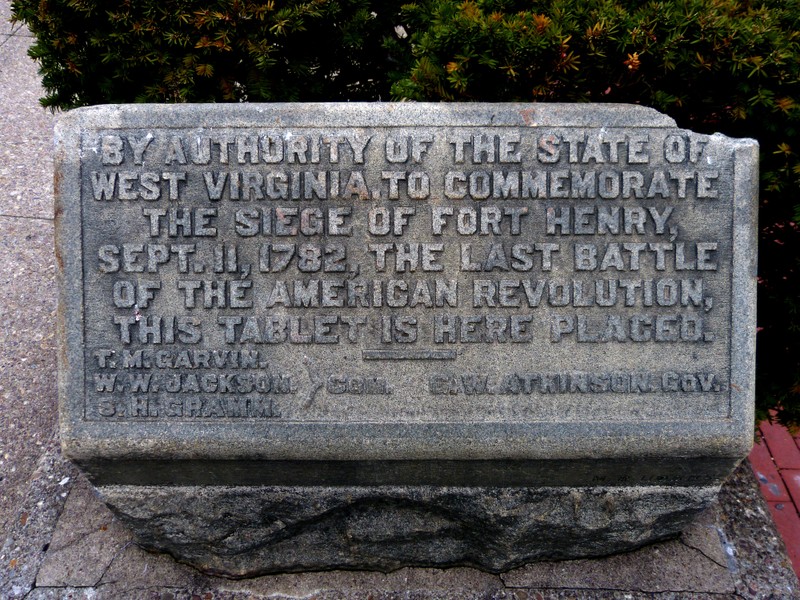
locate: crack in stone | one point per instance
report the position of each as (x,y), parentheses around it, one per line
(26,217)
(616,589)
(111,562)
(489,594)
(650,594)
(71,543)
(700,551)
(316,383)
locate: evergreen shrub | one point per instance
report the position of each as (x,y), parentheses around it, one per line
(731,66)
(106,51)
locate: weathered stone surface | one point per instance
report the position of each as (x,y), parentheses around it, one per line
(732,550)
(436,305)
(247,531)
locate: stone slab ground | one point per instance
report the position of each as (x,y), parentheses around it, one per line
(64,543)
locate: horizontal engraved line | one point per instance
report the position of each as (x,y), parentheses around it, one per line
(408,354)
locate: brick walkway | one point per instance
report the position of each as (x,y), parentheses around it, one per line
(776,463)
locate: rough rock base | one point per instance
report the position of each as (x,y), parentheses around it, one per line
(247,531)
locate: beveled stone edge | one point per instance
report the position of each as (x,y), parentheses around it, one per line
(367,114)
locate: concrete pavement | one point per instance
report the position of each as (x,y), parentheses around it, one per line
(27,269)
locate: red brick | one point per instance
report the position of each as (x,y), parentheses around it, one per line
(791,479)
(769,480)
(788,523)
(781,445)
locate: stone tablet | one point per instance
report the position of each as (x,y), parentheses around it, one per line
(337,302)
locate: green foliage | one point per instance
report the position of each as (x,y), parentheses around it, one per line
(95,51)
(714,65)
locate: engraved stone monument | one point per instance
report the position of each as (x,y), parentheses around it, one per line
(314,336)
